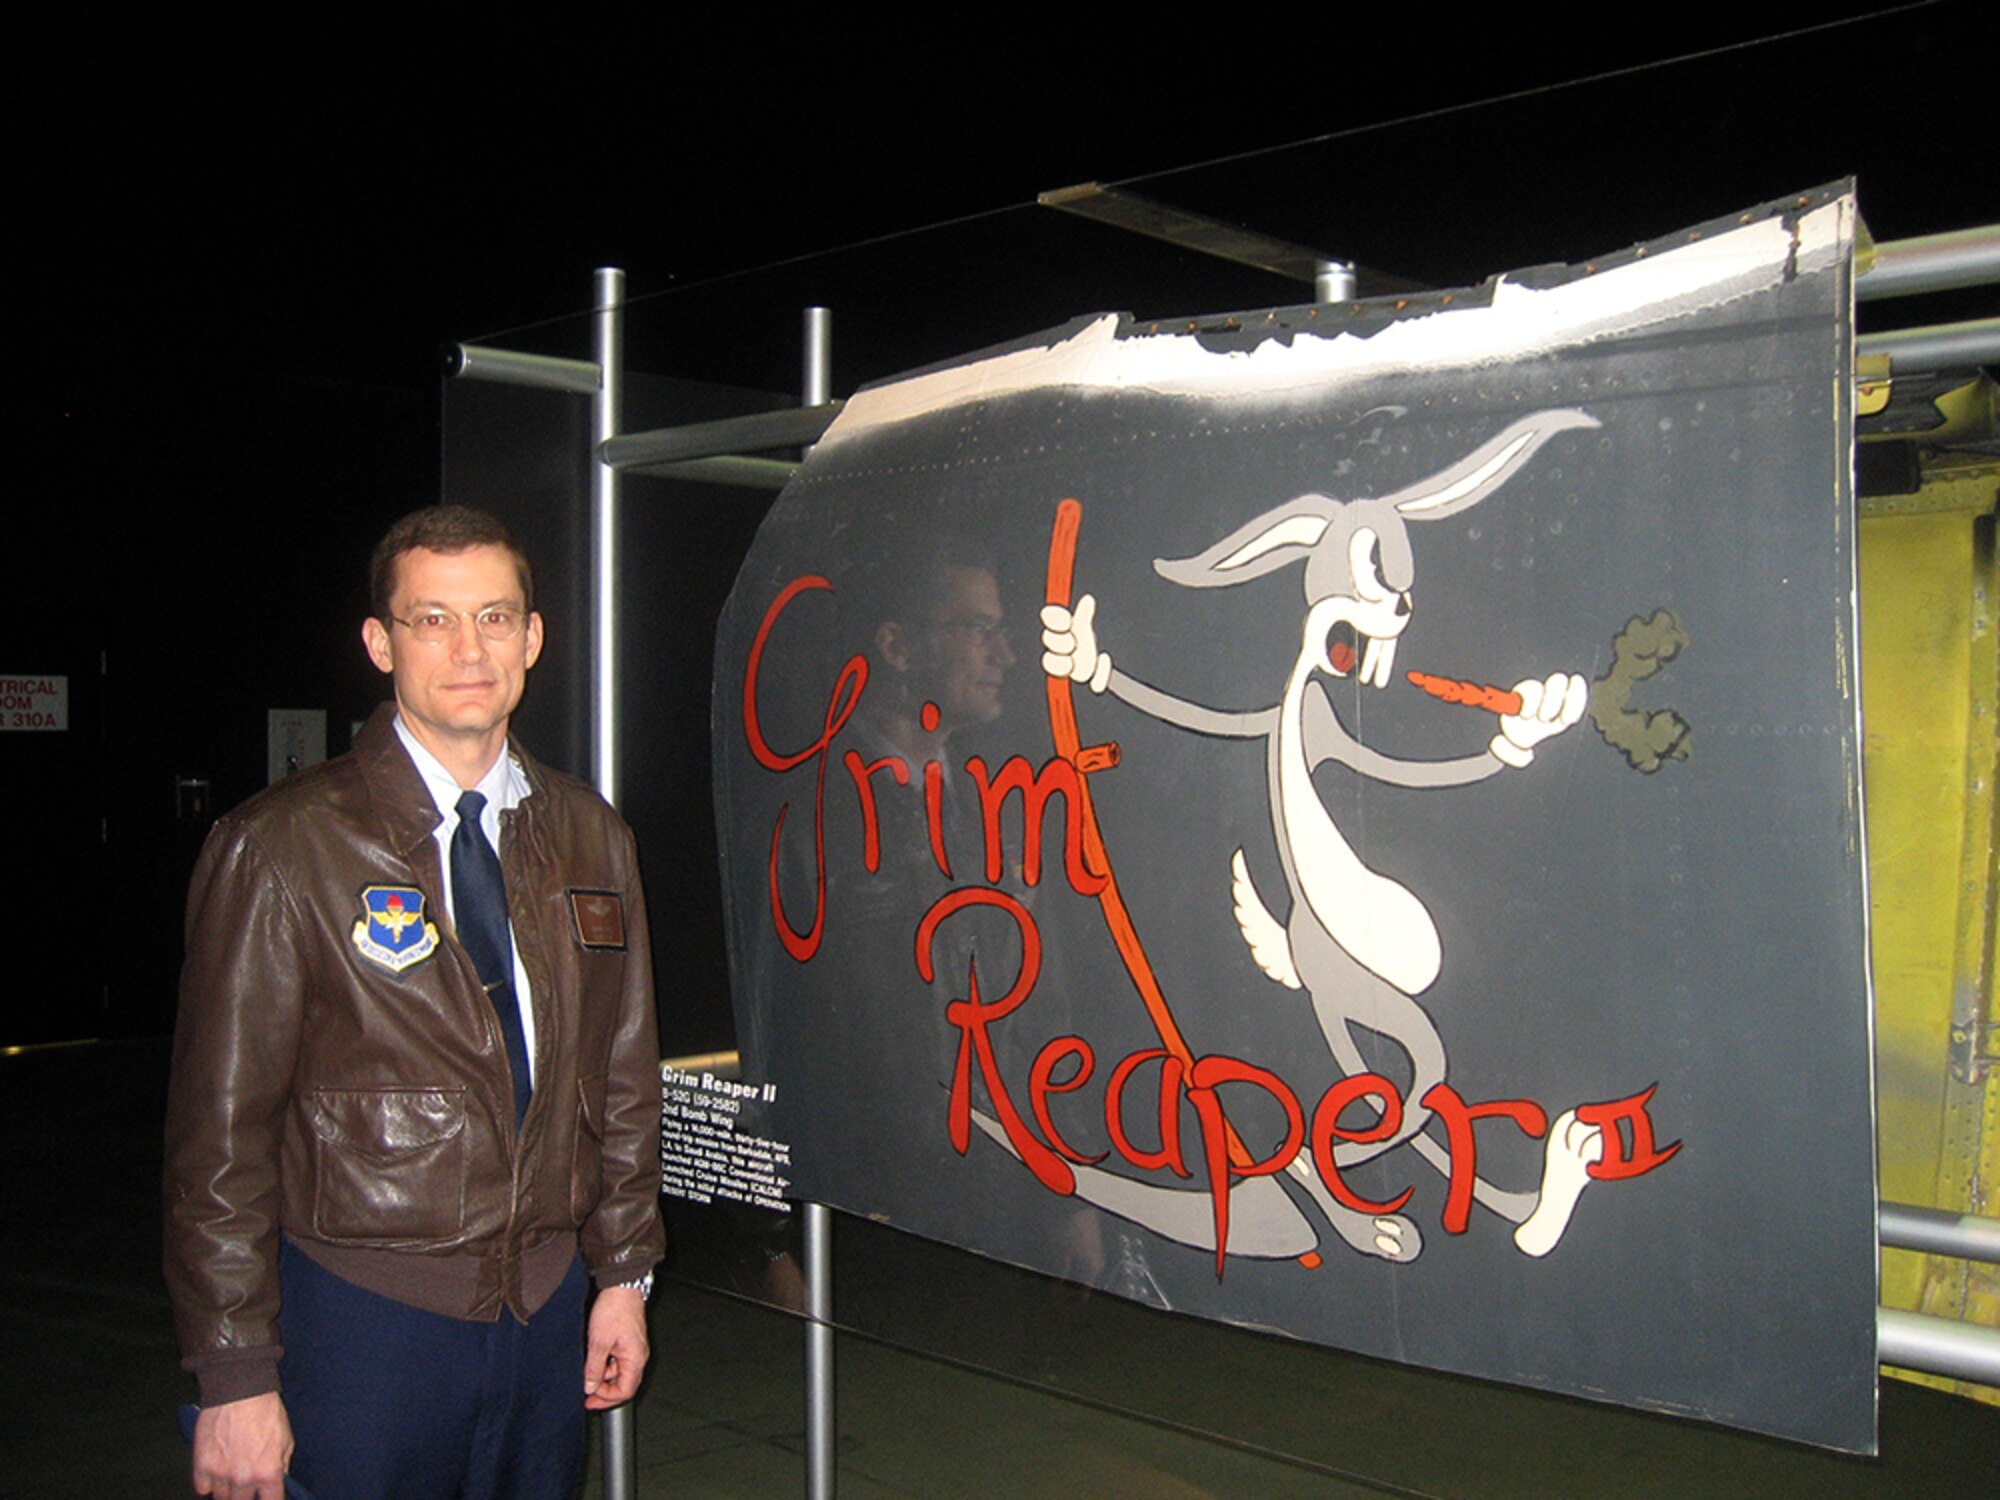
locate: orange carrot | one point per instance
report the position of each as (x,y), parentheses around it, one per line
(1472,694)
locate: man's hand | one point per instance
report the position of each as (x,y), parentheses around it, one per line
(616,1353)
(243,1448)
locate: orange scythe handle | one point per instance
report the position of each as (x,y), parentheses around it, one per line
(1062,725)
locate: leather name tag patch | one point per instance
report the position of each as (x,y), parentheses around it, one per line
(599,918)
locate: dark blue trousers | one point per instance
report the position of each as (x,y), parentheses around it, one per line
(388,1402)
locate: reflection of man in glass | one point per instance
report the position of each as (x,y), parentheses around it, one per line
(928,612)
(939,658)
(939,639)
(927,609)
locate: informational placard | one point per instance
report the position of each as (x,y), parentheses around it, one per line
(1361,801)
(31,701)
(711,1146)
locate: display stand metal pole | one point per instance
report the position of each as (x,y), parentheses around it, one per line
(608,344)
(819,1350)
(621,1439)
(818,1217)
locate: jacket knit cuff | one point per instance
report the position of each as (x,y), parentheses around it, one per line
(626,1272)
(235,1374)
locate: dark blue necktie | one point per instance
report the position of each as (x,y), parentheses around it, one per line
(479,907)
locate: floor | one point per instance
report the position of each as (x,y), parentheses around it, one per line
(1023,1387)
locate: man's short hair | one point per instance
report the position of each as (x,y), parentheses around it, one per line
(441,528)
(910,578)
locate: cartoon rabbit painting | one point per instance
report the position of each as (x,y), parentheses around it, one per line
(1362,947)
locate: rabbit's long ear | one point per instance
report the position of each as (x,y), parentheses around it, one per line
(1284,535)
(1478,475)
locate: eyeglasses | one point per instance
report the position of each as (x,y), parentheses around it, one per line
(436,626)
(984,631)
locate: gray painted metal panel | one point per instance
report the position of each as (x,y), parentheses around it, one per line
(1515,1025)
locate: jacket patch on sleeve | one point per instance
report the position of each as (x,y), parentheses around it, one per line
(392,930)
(599,918)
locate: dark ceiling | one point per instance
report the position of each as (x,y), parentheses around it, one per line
(209,204)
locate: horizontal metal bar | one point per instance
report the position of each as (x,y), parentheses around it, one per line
(721,1064)
(1124,209)
(1938,1231)
(1937,1346)
(1121,208)
(793,427)
(1944,346)
(745,473)
(1932,263)
(511,367)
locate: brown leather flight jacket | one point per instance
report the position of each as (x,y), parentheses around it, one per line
(339,1073)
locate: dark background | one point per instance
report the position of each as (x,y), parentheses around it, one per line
(239,250)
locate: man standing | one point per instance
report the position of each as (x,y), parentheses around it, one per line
(415,1096)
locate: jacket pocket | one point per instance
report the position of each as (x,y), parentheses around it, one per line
(388,1164)
(586,1174)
